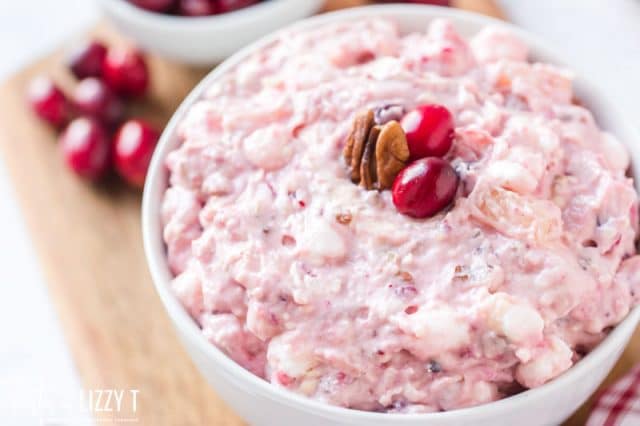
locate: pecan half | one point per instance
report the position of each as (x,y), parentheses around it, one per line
(368,170)
(392,153)
(356,141)
(374,153)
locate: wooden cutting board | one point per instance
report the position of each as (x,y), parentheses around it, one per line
(89,244)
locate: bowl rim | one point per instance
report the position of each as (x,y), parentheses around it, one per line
(242,16)
(187,327)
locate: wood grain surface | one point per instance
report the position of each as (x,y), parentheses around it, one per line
(89,245)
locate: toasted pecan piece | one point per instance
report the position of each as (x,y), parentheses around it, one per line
(344,218)
(405,276)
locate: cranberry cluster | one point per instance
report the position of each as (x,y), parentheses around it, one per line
(96,112)
(429,183)
(193,7)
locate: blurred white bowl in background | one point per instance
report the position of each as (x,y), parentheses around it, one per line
(204,40)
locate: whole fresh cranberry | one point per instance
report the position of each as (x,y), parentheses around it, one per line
(429,130)
(86,148)
(424,187)
(225,6)
(197,7)
(48,101)
(86,58)
(93,97)
(125,72)
(133,147)
(153,5)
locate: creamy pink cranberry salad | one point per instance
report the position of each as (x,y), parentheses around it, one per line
(526,271)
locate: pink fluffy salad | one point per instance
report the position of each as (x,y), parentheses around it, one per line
(519,277)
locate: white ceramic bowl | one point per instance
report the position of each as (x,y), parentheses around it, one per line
(204,40)
(259,402)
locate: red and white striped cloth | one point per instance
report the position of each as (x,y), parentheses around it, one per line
(619,404)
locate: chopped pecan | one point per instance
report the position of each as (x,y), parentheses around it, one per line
(405,276)
(344,218)
(375,153)
(461,273)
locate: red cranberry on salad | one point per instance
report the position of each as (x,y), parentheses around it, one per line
(425,187)
(429,130)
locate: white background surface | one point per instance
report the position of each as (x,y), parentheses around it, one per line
(35,367)
(601,37)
